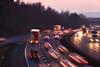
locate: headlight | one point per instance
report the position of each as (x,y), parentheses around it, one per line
(91,40)
(97,40)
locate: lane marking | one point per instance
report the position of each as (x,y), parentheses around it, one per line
(43,57)
(45,60)
(26,56)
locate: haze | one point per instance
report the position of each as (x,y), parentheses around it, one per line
(80,6)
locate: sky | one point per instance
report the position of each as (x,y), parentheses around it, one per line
(80,6)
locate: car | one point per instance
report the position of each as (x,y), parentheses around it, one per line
(47,45)
(63,49)
(77,58)
(57,37)
(60,33)
(54,54)
(94,38)
(76,35)
(34,55)
(46,37)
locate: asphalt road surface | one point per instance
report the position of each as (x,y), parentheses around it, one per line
(19,55)
(84,45)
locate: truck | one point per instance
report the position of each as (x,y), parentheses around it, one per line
(35,35)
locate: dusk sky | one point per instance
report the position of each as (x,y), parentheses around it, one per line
(79,6)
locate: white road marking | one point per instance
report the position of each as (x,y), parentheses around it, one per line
(26,56)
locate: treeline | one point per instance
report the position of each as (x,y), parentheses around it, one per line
(19,19)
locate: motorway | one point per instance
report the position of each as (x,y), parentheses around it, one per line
(19,55)
(89,48)
(45,59)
